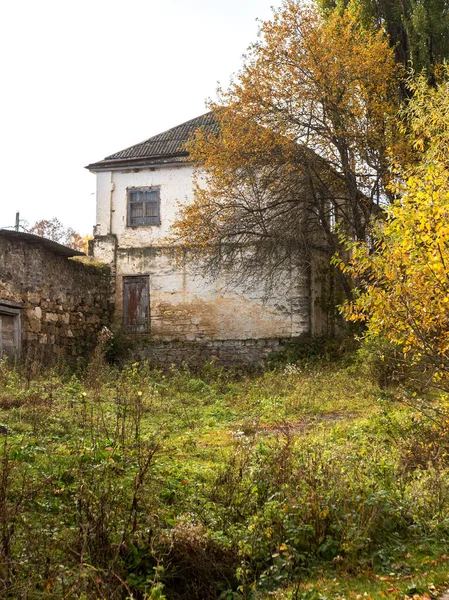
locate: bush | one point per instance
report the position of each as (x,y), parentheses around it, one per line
(317,349)
(382,361)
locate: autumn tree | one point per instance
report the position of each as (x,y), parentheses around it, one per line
(300,145)
(403,292)
(54,230)
(417,29)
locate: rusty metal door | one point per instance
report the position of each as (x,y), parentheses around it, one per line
(136,303)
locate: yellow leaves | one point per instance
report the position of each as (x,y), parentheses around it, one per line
(418,144)
(404,284)
(424,122)
(282,547)
(335,71)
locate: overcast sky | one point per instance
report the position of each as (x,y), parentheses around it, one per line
(82,79)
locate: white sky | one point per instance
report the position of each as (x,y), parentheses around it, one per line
(83,79)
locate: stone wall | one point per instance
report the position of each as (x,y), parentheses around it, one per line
(247,353)
(63,302)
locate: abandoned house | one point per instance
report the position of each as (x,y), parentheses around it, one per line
(50,306)
(139,190)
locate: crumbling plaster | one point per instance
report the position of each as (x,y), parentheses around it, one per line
(183,304)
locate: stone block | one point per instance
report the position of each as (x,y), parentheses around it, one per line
(34,325)
(51,317)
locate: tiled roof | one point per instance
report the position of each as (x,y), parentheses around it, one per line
(168,146)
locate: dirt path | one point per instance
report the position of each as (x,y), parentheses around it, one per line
(307,423)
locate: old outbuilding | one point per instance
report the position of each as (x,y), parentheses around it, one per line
(50,305)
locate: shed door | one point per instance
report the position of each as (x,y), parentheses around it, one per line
(9,333)
(136,303)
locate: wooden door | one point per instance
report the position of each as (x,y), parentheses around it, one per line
(10,333)
(136,303)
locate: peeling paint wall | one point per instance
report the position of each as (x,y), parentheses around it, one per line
(183,304)
(176,188)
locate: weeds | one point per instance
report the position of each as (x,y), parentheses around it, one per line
(132,483)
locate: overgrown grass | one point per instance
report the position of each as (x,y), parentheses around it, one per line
(135,483)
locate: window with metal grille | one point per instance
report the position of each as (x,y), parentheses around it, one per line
(143,206)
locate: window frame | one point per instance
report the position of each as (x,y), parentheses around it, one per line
(129,202)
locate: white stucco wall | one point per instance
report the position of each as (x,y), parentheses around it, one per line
(184,305)
(175,187)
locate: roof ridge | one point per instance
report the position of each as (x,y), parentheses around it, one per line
(160,136)
(162,148)
(207,114)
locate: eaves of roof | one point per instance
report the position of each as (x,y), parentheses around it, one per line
(31,238)
(139,163)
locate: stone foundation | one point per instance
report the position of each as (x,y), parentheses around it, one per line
(248,353)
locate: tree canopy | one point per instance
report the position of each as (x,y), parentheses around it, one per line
(302,142)
(54,230)
(417,29)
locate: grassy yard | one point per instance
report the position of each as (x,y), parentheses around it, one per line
(305,481)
